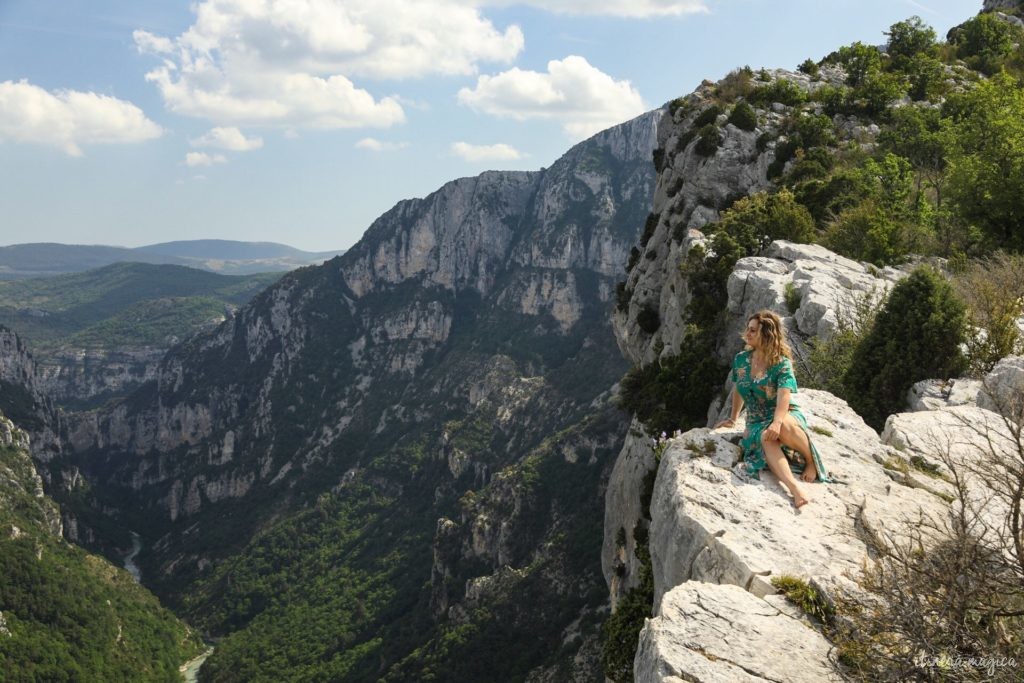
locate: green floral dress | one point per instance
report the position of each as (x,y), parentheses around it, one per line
(758,396)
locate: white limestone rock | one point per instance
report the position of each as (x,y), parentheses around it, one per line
(717,538)
(934,394)
(1004,388)
(622,512)
(711,632)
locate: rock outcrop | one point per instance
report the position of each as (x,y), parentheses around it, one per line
(24,399)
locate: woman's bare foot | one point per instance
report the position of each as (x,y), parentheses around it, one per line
(800,501)
(810,473)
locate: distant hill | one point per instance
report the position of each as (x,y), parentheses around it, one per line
(124,304)
(230,250)
(20,261)
(42,259)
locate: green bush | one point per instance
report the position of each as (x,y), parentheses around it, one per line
(860,61)
(917,335)
(879,90)
(743,117)
(709,115)
(926,77)
(909,38)
(781,90)
(756,221)
(809,67)
(674,393)
(709,141)
(985,41)
(985,154)
(648,319)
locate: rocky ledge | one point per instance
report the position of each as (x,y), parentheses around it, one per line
(717,537)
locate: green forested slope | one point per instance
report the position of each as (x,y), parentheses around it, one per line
(66,615)
(125,304)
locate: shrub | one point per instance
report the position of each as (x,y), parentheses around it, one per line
(622,295)
(879,90)
(985,41)
(658,158)
(709,141)
(949,591)
(993,289)
(649,226)
(709,115)
(804,596)
(809,67)
(916,336)
(870,232)
(648,319)
(827,198)
(792,297)
(755,222)
(743,117)
(674,393)
(835,100)
(815,130)
(860,61)
(780,90)
(926,77)
(738,83)
(909,38)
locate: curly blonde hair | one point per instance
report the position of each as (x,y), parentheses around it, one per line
(773,336)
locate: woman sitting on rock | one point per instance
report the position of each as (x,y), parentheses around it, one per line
(776,435)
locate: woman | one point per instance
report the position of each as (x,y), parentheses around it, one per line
(776,433)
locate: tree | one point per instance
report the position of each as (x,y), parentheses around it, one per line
(985,154)
(917,335)
(985,41)
(755,222)
(909,38)
(859,60)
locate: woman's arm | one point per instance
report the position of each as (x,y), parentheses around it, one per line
(781,410)
(737,406)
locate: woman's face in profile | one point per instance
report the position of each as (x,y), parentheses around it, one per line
(752,333)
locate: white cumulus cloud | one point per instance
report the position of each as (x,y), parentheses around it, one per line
(375,145)
(496,152)
(193,159)
(616,8)
(68,119)
(581,97)
(293,62)
(228,138)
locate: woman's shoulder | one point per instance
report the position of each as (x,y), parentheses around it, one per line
(742,358)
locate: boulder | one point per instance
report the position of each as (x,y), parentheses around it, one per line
(712,527)
(1004,388)
(933,394)
(712,632)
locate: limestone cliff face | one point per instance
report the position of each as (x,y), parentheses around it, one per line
(23,396)
(460,348)
(691,190)
(21,487)
(83,376)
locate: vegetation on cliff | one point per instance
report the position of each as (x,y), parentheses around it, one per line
(66,615)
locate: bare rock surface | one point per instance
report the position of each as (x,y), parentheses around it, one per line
(712,527)
(713,632)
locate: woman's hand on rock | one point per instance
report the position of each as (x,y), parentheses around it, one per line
(728,422)
(774,431)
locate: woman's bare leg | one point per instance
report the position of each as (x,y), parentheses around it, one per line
(793,435)
(779,466)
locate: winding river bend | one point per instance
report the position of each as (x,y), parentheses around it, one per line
(129,558)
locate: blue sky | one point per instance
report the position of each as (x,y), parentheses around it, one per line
(131,122)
